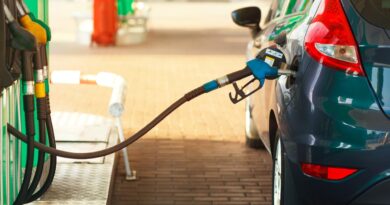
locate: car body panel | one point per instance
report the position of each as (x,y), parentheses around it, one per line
(266,39)
(321,126)
(374,46)
(326,116)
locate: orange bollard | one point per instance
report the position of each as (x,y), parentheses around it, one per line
(105,22)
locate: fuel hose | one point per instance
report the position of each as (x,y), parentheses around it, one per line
(39,30)
(42,33)
(22,40)
(53,159)
(51,135)
(40,95)
(208,87)
(28,98)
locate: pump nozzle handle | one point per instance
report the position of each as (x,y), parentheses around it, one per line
(6,78)
(238,75)
(258,68)
(21,38)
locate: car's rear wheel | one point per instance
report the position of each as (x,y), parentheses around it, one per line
(251,135)
(278,173)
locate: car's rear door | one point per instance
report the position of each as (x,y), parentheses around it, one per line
(283,16)
(370,22)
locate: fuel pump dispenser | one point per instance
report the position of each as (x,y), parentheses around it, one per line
(42,33)
(25,42)
(31,42)
(47,110)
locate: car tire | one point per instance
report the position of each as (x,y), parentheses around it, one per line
(251,135)
(278,172)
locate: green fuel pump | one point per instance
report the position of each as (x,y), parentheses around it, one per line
(42,34)
(24,41)
(42,95)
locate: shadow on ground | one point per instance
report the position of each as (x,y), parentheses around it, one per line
(194,172)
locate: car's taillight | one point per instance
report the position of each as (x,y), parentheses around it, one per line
(327,172)
(330,41)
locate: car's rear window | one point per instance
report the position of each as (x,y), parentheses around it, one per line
(376,12)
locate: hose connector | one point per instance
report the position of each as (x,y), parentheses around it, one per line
(29,88)
(40,91)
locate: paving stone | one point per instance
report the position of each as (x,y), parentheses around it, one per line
(191,187)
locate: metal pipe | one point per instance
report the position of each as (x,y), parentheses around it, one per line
(129,173)
(19,142)
(8,14)
(25,6)
(20,9)
(1,146)
(7,146)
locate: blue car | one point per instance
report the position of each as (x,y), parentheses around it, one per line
(327,127)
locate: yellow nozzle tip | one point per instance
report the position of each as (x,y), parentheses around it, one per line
(35,29)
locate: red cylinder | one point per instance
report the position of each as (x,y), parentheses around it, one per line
(105,23)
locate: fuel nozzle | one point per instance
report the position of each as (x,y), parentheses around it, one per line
(269,64)
(21,38)
(34,28)
(259,69)
(40,30)
(36,20)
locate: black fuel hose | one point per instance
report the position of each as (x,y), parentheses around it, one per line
(41,162)
(105,152)
(53,158)
(210,86)
(50,130)
(28,99)
(41,110)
